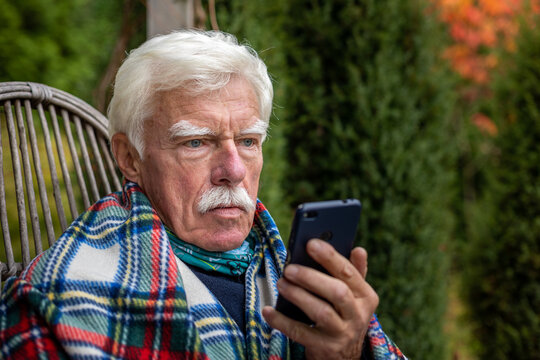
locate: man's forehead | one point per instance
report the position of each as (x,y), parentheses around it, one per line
(232,108)
(175,105)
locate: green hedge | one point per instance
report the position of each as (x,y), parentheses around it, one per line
(62,43)
(367,115)
(502,267)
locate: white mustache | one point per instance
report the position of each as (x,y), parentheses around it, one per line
(223,196)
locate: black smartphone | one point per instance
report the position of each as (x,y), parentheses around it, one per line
(334,221)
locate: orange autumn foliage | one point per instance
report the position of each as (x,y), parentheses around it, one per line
(478,27)
(485,124)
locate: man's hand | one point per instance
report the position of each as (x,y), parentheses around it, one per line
(342,322)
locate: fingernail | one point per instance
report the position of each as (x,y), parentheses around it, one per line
(315,245)
(348,271)
(281,284)
(267,311)
(291,271)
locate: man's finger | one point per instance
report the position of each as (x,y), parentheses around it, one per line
(337,265)
(295,330)
(335,291)
(319,311)
(359,259)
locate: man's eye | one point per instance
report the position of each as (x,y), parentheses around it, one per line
(248,142)
(195,143)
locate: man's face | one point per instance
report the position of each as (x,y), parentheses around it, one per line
(194,144)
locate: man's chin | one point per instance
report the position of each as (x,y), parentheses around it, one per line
(221,229)
(227,234)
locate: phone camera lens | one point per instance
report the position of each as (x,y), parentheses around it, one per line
(326,236)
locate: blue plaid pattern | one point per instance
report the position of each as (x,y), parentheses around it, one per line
(111,287)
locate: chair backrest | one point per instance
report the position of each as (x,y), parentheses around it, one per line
(55,162)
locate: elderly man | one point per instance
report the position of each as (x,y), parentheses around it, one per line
(185,261)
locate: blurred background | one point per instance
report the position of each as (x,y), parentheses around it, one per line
(428,111)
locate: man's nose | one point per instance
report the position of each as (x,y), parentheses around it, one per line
(229,169)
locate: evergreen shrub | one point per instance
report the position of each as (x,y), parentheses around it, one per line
(62,43)
(502,278)
(367,115)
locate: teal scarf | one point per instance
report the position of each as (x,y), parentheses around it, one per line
(233,262)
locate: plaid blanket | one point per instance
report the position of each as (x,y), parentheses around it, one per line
(111,287)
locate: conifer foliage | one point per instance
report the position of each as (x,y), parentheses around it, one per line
(61,43)
(503,266)
(367,116)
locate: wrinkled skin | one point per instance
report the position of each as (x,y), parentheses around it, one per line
(342,322)
(175,171)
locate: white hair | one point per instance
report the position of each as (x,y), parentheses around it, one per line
(196,61)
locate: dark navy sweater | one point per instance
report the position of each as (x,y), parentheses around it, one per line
(228,289)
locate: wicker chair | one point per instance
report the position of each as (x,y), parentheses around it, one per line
(72,168)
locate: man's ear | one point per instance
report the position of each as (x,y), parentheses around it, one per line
(126,156)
